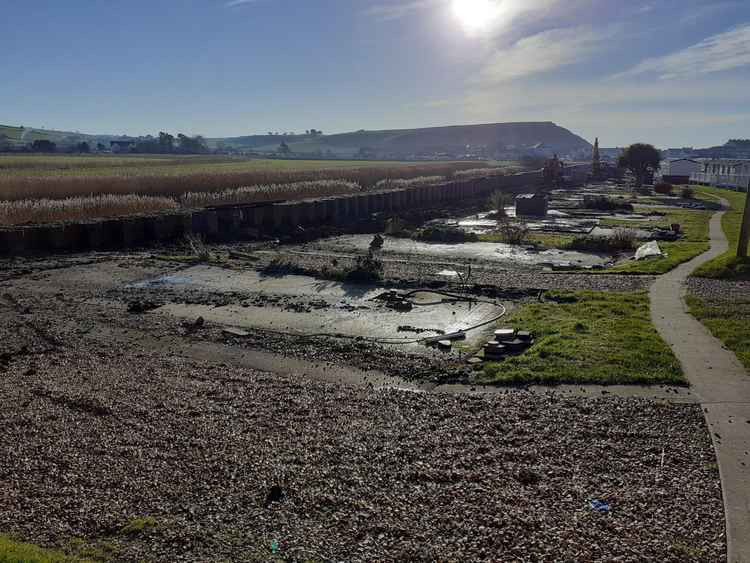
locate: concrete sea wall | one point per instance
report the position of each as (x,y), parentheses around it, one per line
(239,221)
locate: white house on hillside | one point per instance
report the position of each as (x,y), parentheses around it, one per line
(724,173)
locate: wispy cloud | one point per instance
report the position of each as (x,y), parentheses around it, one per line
(386,12)
(234,3)
(725,51)
(545,51)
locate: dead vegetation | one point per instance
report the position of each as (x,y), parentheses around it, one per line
(79,208)
(273,192)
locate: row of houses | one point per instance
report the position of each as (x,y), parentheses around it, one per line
(724,173)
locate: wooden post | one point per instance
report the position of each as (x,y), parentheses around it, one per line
(745,231)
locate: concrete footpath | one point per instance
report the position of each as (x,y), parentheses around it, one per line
(720,382)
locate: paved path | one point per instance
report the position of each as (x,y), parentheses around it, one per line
(721,383)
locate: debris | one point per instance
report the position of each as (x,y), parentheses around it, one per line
(505,334)
(275,494)
(138,307)
(600,506)
(648,250)
(236,332)
(460,335)
(445,345)
(527,477)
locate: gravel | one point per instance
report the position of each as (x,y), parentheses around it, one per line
(227,460)
(719,289)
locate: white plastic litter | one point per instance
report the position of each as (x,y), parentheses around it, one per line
(648,250)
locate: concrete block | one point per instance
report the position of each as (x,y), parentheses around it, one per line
(75,237)
(133,231)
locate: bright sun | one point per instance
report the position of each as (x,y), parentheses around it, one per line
(474,14)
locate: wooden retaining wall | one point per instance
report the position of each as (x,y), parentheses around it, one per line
(233,222)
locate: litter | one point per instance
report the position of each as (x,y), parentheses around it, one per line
(600,506)
(648,250)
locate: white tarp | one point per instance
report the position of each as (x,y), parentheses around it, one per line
(648,250)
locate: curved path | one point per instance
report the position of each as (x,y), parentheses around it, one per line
(720,382)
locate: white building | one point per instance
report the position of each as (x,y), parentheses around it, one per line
(679,171)
(724,173)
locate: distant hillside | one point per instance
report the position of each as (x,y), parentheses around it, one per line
(489,140)
(18,137)
(497,140)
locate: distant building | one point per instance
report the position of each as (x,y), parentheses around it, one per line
(679,171)
(121,146)
(724,173)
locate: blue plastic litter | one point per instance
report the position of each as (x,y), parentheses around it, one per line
(600,506)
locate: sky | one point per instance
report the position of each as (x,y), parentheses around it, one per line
(670,72)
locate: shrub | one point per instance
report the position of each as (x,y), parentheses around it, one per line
(621,240)
(513,233)
(445,234)
(604,203)
(688,193)
(664,188)
(367,269)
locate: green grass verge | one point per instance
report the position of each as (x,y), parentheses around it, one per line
(726,266)
(729,321)
(12,551)
(588,337)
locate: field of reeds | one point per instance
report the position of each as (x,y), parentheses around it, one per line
(36,189)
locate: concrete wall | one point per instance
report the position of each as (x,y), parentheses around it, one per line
(248,221)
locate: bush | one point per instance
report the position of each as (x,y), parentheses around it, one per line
(664,188)
(444,233)
(367,269)
(688,193)
(621,240)
(513,233)
(604,203)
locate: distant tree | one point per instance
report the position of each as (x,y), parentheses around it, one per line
(83,147)
(596,163)
(192,145)
(100,147)
(284,149)
(43,145)
(642,160)
(5,143)
(166,141)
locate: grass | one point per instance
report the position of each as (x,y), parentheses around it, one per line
(726,266)
(695,241)
(729,321)
(139,526)
(12,551)
(588,337)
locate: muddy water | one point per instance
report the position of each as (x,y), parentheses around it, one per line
(312,306)
(514,256)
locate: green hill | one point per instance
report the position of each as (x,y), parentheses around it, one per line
(495,140)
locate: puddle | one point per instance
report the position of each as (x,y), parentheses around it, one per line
(511,255)
(338,308)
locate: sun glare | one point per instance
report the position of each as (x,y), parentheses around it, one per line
(474,14)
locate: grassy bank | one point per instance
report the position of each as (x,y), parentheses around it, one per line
(726,266)
(588,337)
(12,551)
(729,321)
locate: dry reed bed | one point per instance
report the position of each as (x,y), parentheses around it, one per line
(80,208)
(13,188)
(275,192)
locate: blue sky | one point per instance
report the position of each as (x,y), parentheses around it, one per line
(671,72)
